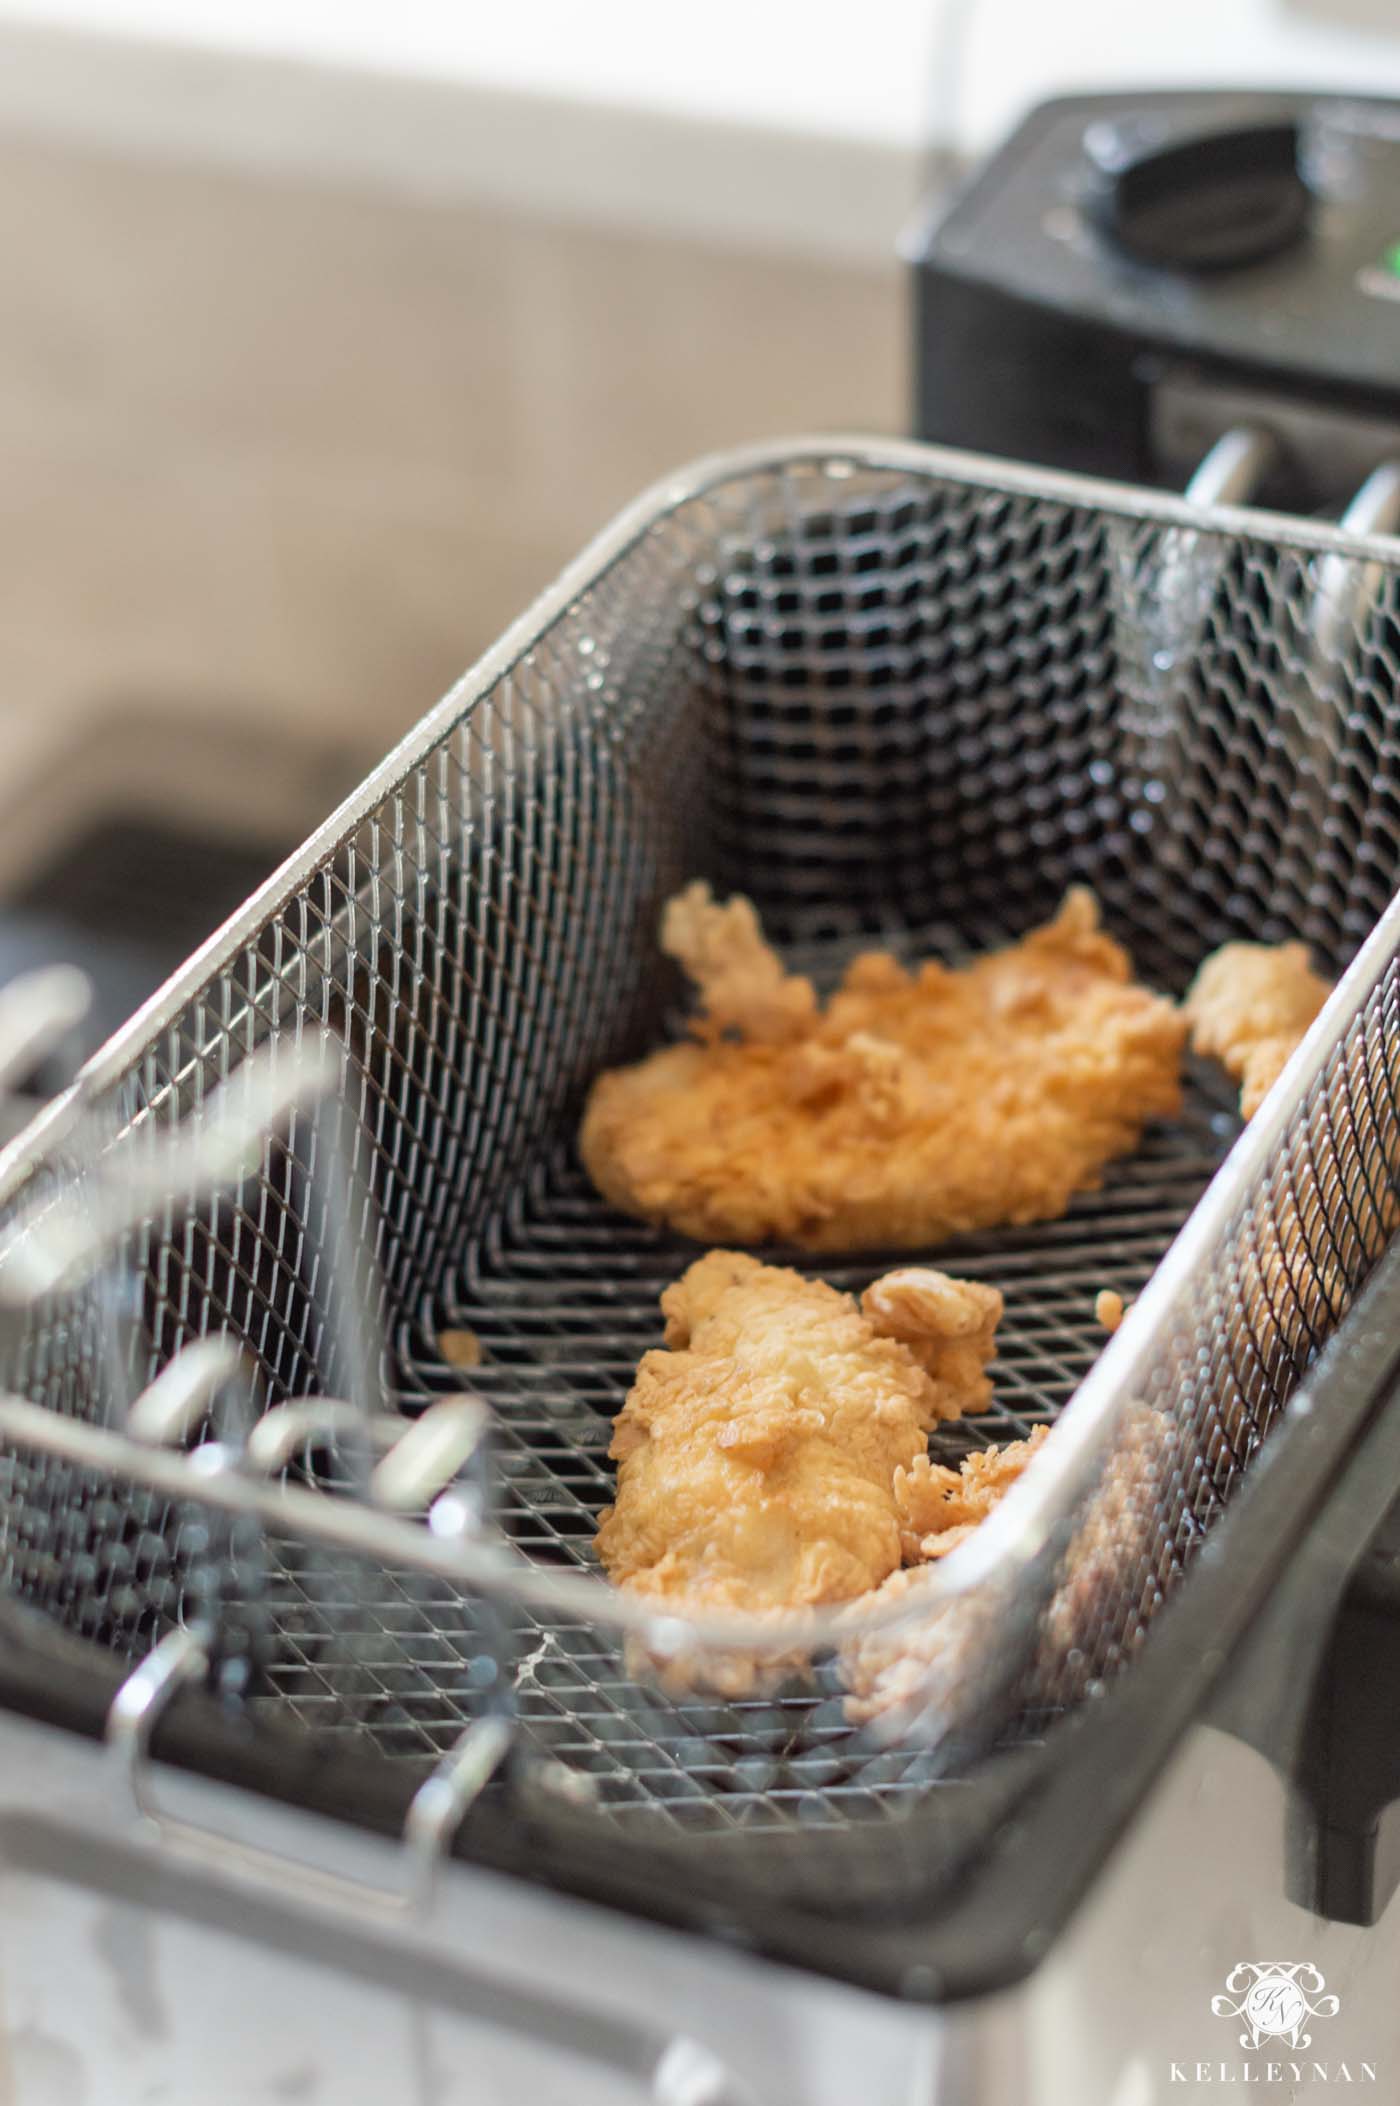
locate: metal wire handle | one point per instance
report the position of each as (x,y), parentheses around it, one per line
(435,1813)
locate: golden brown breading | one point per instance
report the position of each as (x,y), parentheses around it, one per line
(916,1106)
(1249,1006)
(759,1451)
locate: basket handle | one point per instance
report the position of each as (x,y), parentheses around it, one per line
(435,1812)
(679,2070)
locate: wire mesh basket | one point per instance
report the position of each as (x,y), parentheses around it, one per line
(893,694)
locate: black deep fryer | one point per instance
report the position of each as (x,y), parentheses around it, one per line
(1135,278)
(894,693)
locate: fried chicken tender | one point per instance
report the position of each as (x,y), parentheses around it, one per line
(916,1106)
(759,1451)
(1249,1006)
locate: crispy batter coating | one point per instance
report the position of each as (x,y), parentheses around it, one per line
(916,1106)
(758,1453)
(939,1507)
(1249,1006)
(740,980)
(894,1676)
(1116,1565)
(889,1675)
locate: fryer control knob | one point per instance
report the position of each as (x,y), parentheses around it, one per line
(1199,200)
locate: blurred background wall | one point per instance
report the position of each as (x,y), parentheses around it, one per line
(328,332)
(311,375)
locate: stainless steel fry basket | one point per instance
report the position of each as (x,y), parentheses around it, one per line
(893,694)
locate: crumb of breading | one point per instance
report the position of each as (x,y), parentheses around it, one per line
(1249,1006)
(459,1348)
(759,1452)
(1109,1308)
(915,1106)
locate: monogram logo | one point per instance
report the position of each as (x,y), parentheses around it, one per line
(1275,1999)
